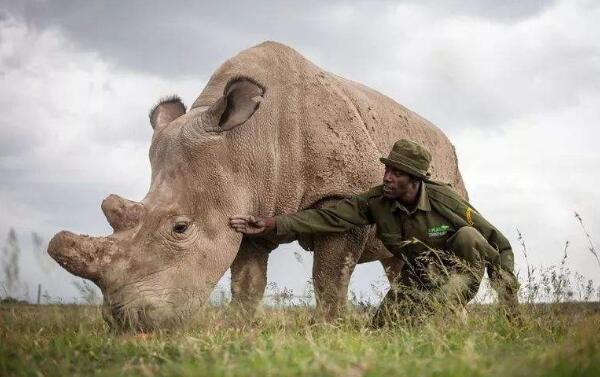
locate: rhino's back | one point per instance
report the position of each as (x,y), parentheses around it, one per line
(326,131)
(387,121)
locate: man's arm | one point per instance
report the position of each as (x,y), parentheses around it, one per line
(499,258)
(499,266)
(339,217)
(494,237)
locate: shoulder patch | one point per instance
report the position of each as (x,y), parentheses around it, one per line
(469,216)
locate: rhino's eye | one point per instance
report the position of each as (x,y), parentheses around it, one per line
(180,227)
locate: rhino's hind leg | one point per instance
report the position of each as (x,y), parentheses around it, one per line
(335,257)
(249,275)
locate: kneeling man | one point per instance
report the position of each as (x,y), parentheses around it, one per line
(444,242)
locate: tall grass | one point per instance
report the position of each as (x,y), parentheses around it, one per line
(73,340)
(557,335)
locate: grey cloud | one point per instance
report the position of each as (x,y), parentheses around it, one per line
(166,38)
(77,206)
(14,142)
(178,37)
(505,11)
(378,43)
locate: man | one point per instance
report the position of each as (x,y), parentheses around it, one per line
(444,242)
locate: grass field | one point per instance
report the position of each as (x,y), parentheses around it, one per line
(65,340)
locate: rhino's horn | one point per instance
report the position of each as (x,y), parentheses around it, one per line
(83,256)
(122,214)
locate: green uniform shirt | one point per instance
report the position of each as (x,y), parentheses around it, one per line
(439,213)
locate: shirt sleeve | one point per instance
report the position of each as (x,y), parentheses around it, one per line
(499,257)
(339,217)
(500,266)
(492,235)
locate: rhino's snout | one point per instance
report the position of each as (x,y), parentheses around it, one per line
(79,254)
(121,213)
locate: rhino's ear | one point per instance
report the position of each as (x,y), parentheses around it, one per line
(241,98)
(165,111)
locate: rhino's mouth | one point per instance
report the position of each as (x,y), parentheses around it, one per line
(141,315)
(137,319)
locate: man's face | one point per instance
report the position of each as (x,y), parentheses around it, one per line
(395,183)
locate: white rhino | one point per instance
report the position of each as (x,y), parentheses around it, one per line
(271,133)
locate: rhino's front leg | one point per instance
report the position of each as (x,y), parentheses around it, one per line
(249,275)
(336,256)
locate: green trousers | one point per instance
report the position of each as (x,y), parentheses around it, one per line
(447,279)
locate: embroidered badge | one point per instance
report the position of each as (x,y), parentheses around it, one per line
(469,216)
(438,231)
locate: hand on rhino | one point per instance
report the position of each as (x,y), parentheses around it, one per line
(252,225)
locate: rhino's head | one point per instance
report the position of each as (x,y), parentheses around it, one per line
(168,251)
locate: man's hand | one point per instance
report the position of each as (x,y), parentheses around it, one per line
(252,225)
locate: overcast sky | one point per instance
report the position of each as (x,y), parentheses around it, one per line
(514,84)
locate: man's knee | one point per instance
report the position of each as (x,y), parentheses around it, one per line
(468,234)
(466,243)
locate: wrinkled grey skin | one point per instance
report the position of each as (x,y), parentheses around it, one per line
(150,274)
(270,133)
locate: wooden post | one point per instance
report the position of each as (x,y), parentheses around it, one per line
(39,293)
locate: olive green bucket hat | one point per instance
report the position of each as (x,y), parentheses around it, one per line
(409,157)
